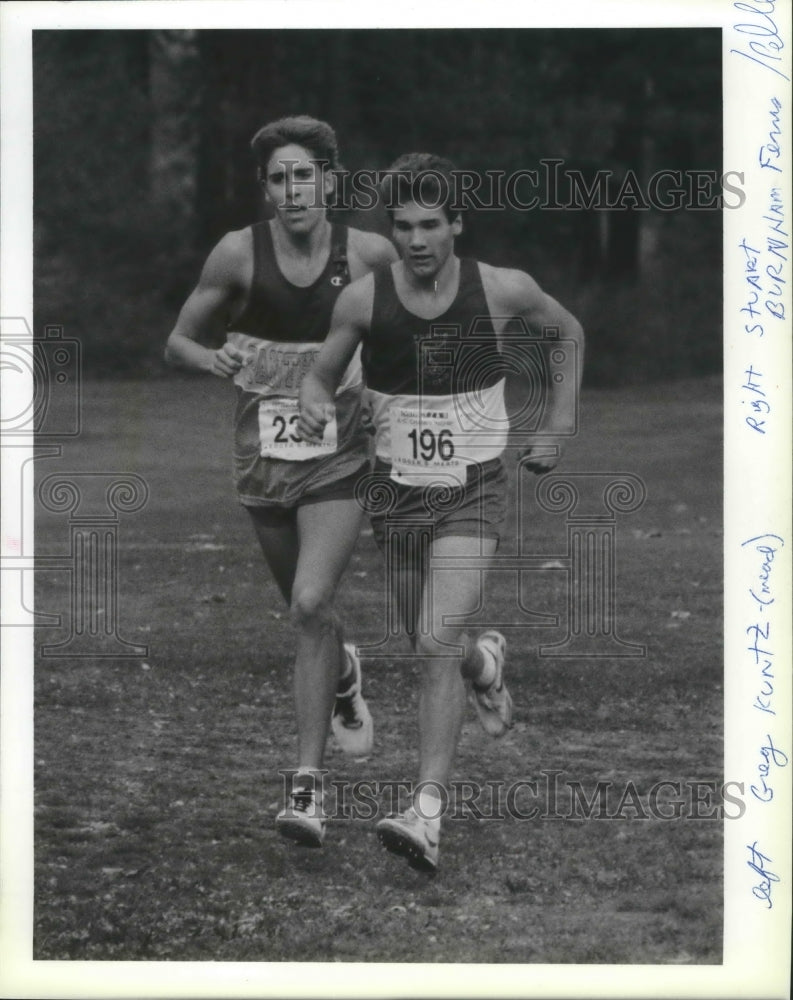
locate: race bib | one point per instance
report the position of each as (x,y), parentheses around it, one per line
(423,446)
(278,432)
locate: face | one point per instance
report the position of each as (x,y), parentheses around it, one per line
(425,238)
(297,187)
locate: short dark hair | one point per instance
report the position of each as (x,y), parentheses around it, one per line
(302,130)
(423,178)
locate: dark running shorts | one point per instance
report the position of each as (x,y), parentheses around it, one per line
(477,509)
(276,515)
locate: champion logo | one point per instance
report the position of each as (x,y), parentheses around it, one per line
(336,281)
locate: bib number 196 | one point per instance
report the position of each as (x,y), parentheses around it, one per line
(427,443)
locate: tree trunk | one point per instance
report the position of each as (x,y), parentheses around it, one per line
(175,85)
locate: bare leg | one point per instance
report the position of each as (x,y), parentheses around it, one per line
(442,698)
(279,545)
(327,535)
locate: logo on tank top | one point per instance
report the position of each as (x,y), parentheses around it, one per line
(279,368)
(336,281)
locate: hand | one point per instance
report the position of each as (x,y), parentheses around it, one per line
(227,361)
(312,421)
(543,457)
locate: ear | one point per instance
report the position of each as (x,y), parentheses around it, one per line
(457,224)
(328,182)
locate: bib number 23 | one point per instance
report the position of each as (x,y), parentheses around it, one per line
(278,433)
(284,430)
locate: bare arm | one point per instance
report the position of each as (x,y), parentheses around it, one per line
(369,251)
(351,319)
(517,294)
(213,303)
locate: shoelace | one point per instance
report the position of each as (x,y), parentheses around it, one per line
(302,799)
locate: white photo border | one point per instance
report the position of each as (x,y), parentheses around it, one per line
(757,504)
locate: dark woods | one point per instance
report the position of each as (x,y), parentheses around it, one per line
(142,161)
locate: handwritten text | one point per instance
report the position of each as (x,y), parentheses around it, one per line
(757,862)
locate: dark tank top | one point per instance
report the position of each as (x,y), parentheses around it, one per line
(282,312)
(282,330)
(404,354)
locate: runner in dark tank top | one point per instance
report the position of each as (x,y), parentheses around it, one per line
(429,328)
(264,299)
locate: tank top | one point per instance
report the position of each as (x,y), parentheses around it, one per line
(282,329)
(279,311)
(436,385)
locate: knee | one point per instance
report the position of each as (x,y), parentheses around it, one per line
(311,606)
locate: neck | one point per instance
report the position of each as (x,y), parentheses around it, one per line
(438,283)
(304,244)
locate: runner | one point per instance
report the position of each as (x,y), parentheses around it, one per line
(414,319)
(269,291)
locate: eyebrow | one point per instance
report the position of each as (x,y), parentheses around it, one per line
(297,171)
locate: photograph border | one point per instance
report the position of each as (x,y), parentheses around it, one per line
(756,942)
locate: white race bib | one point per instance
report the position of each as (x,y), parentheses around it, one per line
(278,432)
(423,446)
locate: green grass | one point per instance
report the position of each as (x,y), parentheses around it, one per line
(156,779)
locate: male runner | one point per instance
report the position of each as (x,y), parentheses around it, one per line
(413,319)
(268,291)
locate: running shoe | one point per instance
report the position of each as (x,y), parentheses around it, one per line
(493,703)
(303,819)
(351,721)
(413,837)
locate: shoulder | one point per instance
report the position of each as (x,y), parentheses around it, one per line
(509,290)
(229,261)
(355,300)
(372,249)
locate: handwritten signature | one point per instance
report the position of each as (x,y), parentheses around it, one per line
(763,659)
(766,52)
(758,405)
(771,757)
(763,544)
(771,148)
(757,862)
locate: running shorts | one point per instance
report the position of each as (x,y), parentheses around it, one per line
(477,509)
(263,481)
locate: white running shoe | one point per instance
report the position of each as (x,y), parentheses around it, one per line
(413,837)
(493,703)
(303,820)
(351,721)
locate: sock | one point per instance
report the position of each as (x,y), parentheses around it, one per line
(305,778)
(429,805)
(347,674)
(488,672)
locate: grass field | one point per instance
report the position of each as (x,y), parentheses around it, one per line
(156,779)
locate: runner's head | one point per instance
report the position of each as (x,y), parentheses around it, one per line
(296,158)
(418,191)
(423,178)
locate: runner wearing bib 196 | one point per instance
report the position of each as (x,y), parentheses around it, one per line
(269,291)
(429,326)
